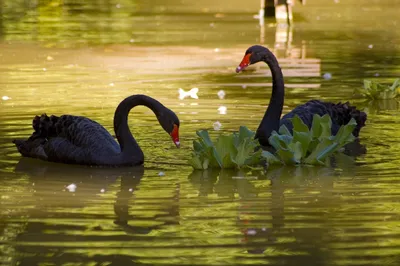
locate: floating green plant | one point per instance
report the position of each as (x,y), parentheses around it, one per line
(305,146)
(308,146)
(377,91)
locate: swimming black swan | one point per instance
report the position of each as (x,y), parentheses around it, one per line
(79,140)
(340,113)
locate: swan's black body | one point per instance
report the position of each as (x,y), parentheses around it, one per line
(340,113)
(80,140)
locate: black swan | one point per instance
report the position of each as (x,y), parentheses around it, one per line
(80,140)
(340,113)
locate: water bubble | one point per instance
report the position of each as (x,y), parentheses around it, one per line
(251,232)
(216,50)
(370,46)
(118,6)
(327,76)
(132,40)
(111,84)
(44,69)
(161,174)
(49,58)
(217,125)
(102,190)
(5,98)
(221,94)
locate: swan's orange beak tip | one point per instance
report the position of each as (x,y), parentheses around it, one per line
(175,136)
(245,63)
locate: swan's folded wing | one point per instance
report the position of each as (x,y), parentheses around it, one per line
(87,134)
(62,150)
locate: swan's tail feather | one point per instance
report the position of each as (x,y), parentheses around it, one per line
(44,126)
(345,112)
(31,148)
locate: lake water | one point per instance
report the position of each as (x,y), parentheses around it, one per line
(64,57)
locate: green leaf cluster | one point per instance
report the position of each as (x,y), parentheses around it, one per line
(232,151)
(308,146)
(376,91)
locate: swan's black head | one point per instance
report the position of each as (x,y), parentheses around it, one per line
(170,123)
(253,55)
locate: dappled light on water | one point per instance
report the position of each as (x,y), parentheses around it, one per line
(83,59)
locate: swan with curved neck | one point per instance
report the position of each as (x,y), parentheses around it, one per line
(340,113)
(80,140)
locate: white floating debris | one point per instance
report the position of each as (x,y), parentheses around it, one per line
(222,110)
(5,98)
(118,6)
(192,93)
(251,232)
(216,50)
(44,69)
(217,125)
(102,190)
(111,84)
(327,76)
(370,46)
(221,94)
(132,40)
(49,58)
(244,86)
(161,174)
(212,25)
(376,74)
(71,188)
(131,189)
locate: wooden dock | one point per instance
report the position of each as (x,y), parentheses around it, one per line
(280,9)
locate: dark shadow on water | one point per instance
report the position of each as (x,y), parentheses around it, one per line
(89,182)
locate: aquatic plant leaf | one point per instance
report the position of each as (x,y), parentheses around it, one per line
(226,150)
(304,138)
(299,125)
(195,162)
(326,125)
(205,138)
(279,141)
(231,151)
(316,126)
(376,91)
(297,150)
(244,150)
(271,159)
(322,150)
(344,134)
(245,133)
(283,130)
(197,146)
(286,156)
(395,85)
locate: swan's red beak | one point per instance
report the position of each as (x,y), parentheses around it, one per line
(245,63)
(175,136)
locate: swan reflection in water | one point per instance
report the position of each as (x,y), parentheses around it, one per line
(266,205)
(50,179)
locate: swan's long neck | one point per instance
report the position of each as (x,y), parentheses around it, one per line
(272,116)
(127,142)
